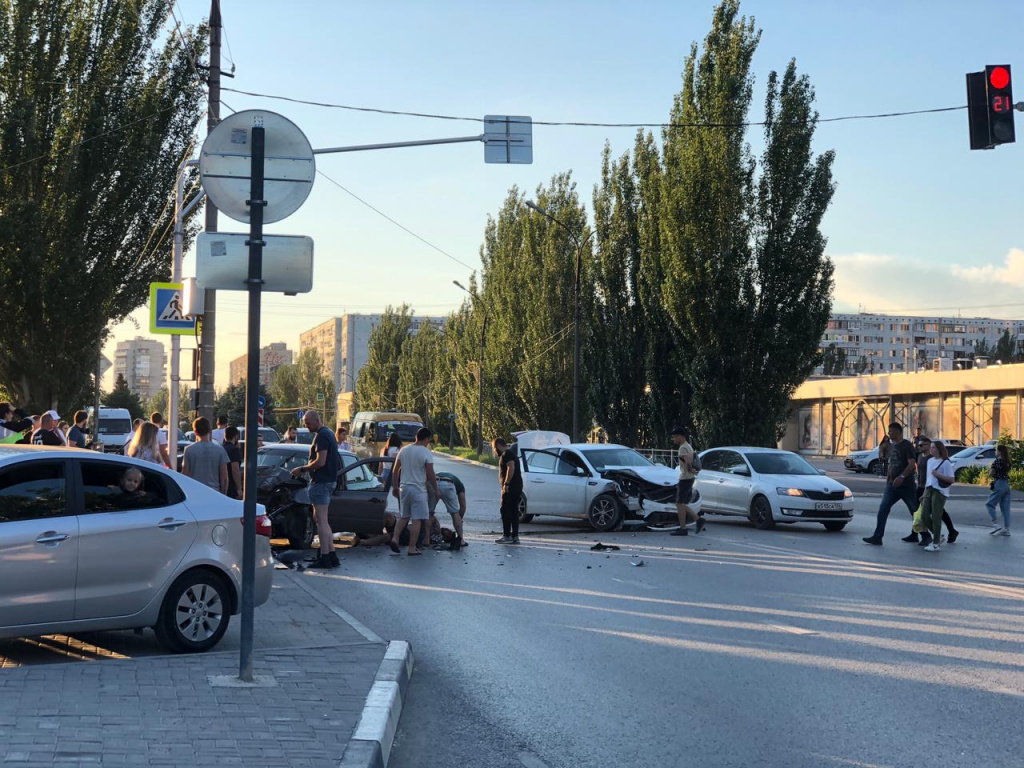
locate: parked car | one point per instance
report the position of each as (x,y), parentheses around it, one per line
(975,456)
(80,550)
(357,504)
(268,434)
(867,461)
(600,483)
(770,486)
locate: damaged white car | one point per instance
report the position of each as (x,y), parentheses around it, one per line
(603,484)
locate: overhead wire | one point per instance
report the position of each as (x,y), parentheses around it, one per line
(580,123)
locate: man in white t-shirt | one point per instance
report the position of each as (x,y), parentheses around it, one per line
(161,437)
(684,489)
(218,433)
(413,472)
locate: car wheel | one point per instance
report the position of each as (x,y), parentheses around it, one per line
(834,527)
(873,467)
(761,513)
(605,513)
(195,613)
(302,529)
(523,517)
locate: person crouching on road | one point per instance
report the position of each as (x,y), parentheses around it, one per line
(413,472)
(684,488)
(936,491)
(323,467)
(511,490)
(453,494)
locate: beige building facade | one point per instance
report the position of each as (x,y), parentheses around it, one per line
(272,357)
(835,416)
(143,363)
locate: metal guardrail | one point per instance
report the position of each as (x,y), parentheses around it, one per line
(665,456)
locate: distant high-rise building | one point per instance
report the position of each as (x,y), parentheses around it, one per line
(143,363)
(344,344)
(272,357)
(885,343)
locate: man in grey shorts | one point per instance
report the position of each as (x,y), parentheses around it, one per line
(413,472)
(453,495)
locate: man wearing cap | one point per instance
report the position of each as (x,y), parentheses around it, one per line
(684,489)
(46,434)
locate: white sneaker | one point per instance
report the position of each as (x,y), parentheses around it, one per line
(996,528)
(933,547)
(1004,532)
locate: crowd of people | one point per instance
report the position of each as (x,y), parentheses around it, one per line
(920,475)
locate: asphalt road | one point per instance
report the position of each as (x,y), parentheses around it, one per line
(737,647)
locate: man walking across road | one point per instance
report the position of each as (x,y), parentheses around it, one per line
(204,460)
(323,467)
(413,472)
(899,484)
(511,480)
(684,487)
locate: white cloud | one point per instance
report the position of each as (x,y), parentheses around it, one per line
(1012,273)
(889,284)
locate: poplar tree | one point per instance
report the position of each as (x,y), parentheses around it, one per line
(98,107)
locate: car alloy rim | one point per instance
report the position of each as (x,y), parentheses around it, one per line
(199,612)
(603,511)
(763,511)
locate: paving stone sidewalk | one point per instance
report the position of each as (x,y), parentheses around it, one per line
(134,706)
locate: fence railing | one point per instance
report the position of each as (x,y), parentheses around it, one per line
(666,456)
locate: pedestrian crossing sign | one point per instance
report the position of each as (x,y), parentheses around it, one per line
(166,312)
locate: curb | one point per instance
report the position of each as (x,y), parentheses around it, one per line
(474,462)
(370,745)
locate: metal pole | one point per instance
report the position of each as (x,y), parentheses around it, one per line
(96,397)
(207,344)
(576,347)
(451,415)
(172,393)
(480,411)
(397,145)
(256,205)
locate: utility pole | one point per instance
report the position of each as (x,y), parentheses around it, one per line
(207,356)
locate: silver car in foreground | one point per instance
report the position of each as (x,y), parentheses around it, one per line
(84,547)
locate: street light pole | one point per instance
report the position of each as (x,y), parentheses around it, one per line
(580,245)
(483,340)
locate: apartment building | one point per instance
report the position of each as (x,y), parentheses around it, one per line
(344,344)
(272,357)
(887,343)
(143,363)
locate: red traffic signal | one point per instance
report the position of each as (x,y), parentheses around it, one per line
(990,107)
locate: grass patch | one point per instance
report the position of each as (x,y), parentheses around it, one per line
(468,453)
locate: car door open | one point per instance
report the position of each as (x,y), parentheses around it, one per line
(359,501)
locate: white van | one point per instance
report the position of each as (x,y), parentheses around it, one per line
(114,428)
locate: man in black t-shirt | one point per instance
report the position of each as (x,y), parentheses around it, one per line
(899,483)
(45,434)
(511,490)
(76,435)
(323,467)
(234,462)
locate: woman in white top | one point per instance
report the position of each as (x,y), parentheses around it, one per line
(936,491)
(145,445)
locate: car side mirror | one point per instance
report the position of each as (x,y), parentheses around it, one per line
(742,471)
(579,472)
(822,472)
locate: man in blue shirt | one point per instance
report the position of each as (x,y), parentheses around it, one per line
(323,467)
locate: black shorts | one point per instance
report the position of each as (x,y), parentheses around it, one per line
(684,491)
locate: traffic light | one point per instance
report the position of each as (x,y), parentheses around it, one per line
(1000,103)
(990,107)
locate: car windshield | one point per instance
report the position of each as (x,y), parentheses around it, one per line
(615,457)
(780,464)
(406,430)
(115,426)
(286,459)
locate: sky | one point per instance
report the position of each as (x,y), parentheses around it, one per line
(919,223)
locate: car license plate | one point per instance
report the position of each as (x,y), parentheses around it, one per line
(828,506)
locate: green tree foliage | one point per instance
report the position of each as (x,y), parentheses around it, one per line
(377,381)
(419,390)
(96,113)
(304,384)
(122,397)
(231,403)
(161,403)
(747,284)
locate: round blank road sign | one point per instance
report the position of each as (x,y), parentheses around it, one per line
(225,165)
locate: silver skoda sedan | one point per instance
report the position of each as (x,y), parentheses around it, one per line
(92,541)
